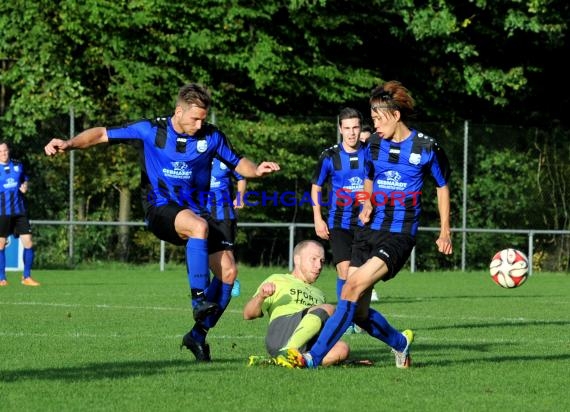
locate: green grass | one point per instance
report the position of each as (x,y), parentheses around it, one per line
(107,339)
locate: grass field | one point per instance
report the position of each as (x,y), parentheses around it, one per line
(107,339)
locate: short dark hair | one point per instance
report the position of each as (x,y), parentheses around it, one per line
(366,128)
(194,94)
(349,113)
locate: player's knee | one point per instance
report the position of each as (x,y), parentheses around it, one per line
(351,290)
(192,226)
(200,228)
(339,352)
(321,313)
(343,349)
(328,308)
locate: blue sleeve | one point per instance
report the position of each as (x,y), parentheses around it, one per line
(225,151)
(237,175)
(137,130)
(440,169)
(368,164)
(322,171)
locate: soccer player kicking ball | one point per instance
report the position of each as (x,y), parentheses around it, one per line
(176,155)
(397,161)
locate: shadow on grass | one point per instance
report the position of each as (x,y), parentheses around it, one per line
(499,359)
(420,299)
(114,370)
(382,358)
(508,324)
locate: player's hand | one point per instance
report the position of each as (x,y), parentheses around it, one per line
(444,245)
(366,212)
(265,168)
(24,187)
(322,230)
(238,203)
(267,289)
(56,146)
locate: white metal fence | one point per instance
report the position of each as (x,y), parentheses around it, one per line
(292,227)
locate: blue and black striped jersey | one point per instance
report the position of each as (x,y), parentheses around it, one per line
(175,167)
(346,173)
(12,202)
(222,192)
(398,171)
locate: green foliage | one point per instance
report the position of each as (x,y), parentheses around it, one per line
(279,72)
(504,191)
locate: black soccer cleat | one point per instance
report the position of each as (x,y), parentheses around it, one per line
(204,309)
(200,351)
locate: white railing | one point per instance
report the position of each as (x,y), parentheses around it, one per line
(530,233)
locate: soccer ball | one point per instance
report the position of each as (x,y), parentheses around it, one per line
(509,268)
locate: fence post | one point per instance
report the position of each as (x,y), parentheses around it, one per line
(162,254)
(71,179)
(464,206)
(291,245)
(530,251)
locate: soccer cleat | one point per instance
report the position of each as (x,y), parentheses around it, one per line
(203,310)
(255,360)
(293,359)
(29,282)
(200,351)
(3,282)
(374,297)
(403,359)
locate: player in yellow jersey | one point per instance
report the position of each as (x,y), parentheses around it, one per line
(296,308)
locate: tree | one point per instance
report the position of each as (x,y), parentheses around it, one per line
(297,61)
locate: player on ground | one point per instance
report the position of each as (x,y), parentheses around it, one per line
(398,159)
(296,308)
(176,158)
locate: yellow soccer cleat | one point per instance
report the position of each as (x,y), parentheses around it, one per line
(29,282)
(290,358)
(255,360)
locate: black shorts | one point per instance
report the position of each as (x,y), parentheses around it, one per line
(341,244)
(15,225)
(393,248)
(160,221)
(221,235)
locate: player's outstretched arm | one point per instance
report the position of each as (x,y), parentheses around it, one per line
(83,140)
(249,169)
